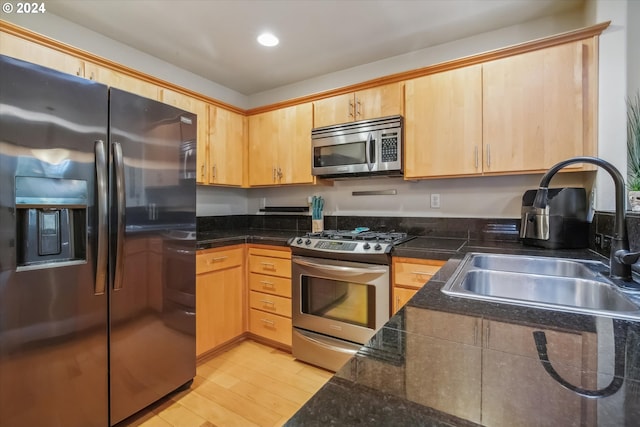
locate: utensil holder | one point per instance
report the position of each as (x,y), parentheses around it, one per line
(317,225)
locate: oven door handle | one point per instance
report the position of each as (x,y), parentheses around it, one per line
(341,269)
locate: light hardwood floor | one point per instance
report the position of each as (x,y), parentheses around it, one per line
(249,385)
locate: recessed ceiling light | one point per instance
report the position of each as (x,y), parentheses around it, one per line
(268,39)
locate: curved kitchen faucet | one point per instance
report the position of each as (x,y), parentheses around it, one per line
(621,257)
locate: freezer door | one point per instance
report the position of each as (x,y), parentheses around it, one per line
(152,310)
(53,313)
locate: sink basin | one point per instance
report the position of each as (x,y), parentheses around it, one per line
(536,265)
(551,283)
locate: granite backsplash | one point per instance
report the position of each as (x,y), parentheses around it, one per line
(473,229)
(465,228)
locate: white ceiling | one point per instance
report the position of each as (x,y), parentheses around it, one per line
(216,39)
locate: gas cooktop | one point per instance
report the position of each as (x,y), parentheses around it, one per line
(354,242)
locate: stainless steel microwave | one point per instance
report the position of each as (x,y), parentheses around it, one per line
(363,148)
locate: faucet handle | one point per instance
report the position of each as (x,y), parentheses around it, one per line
(626,257)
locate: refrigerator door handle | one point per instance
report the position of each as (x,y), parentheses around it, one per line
(102,200)
(120,204)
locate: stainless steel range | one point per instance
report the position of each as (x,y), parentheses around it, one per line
(341,292)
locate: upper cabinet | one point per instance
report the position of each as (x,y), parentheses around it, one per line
(539,107)
(280,146)
(380,101)
(227,140)
(521,113)
(121,81)
(443,124)
(26,50)
(201,109)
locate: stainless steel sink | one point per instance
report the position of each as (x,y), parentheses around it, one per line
(551,283)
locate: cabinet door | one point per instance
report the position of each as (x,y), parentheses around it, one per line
(401,296)
(25,50)
(443,124)
(333,110)
(219,308)
(280,146)
(537,109)
(201,109)
(263,136)
(226,146)
(433,338)
(512,372)
(294,144)
(120,80)
(381,101)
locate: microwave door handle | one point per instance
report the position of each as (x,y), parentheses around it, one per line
(367,149)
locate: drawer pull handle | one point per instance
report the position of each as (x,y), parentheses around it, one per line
(267,302)
(268,265)
(212,260)
(268,322)
(422,273)
(267,284)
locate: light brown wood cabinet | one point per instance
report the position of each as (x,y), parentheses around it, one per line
(380,101)
(539,107)
(270,294)
(478,366)
(512,372)
(522,113)
(443,124)
(226,146)
(201,110)
(409,275)
(280,146)
(220,297)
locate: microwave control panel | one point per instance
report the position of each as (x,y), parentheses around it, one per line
(389,147)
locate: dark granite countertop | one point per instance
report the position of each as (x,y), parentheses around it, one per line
(445,361)
(450,361)
(220,238)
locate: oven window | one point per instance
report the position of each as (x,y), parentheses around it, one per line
(340,155)
(348,302)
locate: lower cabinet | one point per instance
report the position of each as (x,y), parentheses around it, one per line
(488,371)
(220,297)
(409,275)
(270,294)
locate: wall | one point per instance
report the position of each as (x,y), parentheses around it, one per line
(612,92)
(633,47)
(478,197)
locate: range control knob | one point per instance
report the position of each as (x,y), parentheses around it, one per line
(299,241)
(366,246)
(377,247)
(307,242)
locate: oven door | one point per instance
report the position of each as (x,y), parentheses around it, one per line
(340,299)
(351,153)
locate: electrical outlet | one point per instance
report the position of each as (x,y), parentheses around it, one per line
(598,241)
(435,201)
(606,243)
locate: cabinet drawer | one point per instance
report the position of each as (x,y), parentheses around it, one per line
(271,285)
(275,253)
(414,275)
(270,303)
(271,326)
(272,266)
(218,260)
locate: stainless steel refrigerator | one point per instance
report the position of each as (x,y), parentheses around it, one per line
(97,249)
